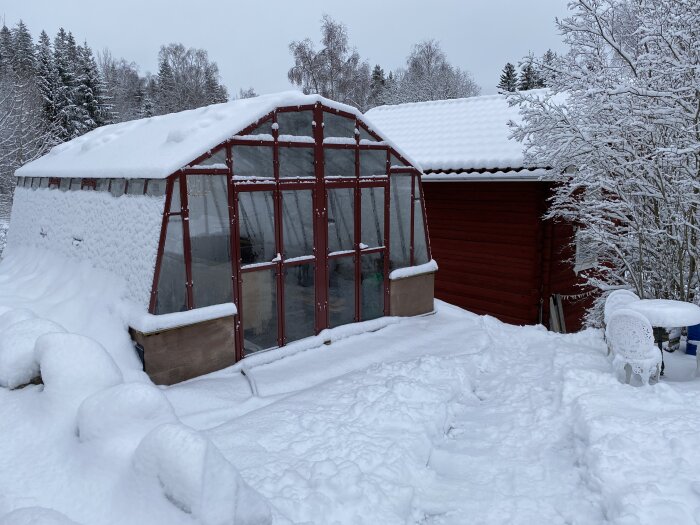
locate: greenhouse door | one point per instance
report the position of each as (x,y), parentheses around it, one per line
(355,251)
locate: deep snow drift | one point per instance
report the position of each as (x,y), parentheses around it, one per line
(444,419)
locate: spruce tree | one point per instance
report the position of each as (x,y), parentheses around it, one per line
(528,77)
(47,85)
(377,87)
(6,52)
(509,79)
(166,88)
(90,89)
(23,59)
(66,110)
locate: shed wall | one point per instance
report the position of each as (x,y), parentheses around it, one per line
(496,255)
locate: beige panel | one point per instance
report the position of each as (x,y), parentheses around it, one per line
(412,295)
(188,351)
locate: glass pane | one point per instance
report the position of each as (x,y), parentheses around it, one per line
(337,126)
(175,199)
(207,198)
(75,184)
(296,162)
(341,290)
(217,160)
(259,310)
(44,182)
(253,161)
(396,162)
(420,249)
(400,217)
(102,185)
(373,217)
(265,128)
(339,162)
(136,186)
(156,188)
(117,187)
(64,184)
(372,279)
(341,225)
(295,123)
(297,223)
(372,162)
(171,284)
(257,226)
(20,181)
(36,180)
(366,136)
(299,301)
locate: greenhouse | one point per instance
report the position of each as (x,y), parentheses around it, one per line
(238,227)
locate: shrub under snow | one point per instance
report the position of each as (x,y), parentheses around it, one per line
(197,478)
(18,362)
(74,365)
(127,411)
(35,516)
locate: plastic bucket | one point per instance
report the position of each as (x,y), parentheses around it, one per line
(691,347)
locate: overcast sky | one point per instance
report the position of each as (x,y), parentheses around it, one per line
(249,40)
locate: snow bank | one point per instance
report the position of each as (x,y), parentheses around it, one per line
(410,271)
(19,363)
(196,478)
(116,234)
(35,516)
(129,409)
(72,293)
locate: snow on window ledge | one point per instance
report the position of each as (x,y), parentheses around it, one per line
(148,323)
(411,271)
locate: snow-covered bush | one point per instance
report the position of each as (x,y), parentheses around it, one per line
(127,411)
(18,362)
(74,366)
(624,140)
(197,478)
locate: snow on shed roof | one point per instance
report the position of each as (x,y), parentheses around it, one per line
(456,134)
(156,147)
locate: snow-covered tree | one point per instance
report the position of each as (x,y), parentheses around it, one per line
(429,76)
(247,93)
(621,128)
(335,71)
(528,78)
(509,79)
(187,79)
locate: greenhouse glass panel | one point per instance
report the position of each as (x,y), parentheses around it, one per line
(420,248)
(117,187)
(341,224)
(372,216)
(102,185)
(156,187)
(210,240)
(299,301)
(297,223)
(341,290)
(372,285)
(372,162)
(339,162)
(136,187)
(256,214)
(337,126)
(297,123)
(171,283)
(218,159)
(253,161)
(259,310)
(400,208)
(297,162)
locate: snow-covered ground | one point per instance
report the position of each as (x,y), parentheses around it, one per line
(444,419)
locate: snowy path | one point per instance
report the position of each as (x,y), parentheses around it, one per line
(474,431)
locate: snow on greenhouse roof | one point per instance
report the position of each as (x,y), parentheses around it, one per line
(156,147)
(461,134)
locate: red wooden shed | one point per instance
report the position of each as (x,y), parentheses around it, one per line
(485,208)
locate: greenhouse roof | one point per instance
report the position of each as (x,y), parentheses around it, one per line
(456,135)
(158,146)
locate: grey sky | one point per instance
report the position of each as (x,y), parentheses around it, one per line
(249,39)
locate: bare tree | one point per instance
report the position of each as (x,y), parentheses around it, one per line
(335,71)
